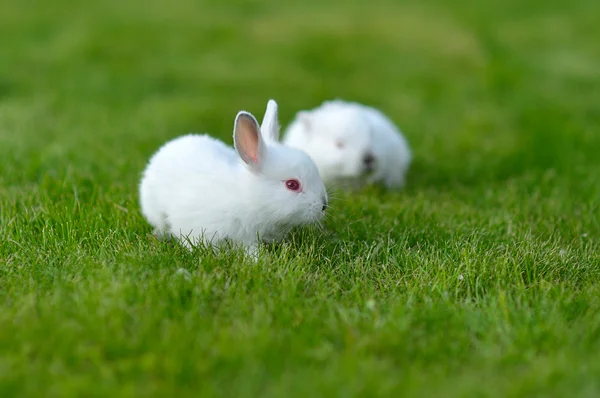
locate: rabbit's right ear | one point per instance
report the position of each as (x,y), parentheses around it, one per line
(247,140)
(270,123)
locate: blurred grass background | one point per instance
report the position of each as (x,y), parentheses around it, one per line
(480,279)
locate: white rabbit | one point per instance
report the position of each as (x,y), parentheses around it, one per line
(198,190)
(351,144)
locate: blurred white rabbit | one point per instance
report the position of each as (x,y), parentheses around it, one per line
(351,144)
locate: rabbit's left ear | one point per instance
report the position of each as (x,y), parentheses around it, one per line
(270,124)
(305,118)
(248,141)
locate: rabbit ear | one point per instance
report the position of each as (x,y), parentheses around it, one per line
(305,118)
(270,123)
(248,141)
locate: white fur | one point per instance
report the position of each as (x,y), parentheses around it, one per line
(197,189)
(361,130)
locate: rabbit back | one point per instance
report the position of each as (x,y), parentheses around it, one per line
(186,187)
(392,148)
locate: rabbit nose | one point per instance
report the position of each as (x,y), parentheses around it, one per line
(324,204)
(368,160)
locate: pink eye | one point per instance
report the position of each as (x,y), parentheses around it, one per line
(293,185)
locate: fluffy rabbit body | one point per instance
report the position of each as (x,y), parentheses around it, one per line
(199,190)
(351,144)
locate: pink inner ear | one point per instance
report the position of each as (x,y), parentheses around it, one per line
(247,137)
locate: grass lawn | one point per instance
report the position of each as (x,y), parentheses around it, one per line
(481,279)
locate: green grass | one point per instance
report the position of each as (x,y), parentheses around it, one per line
(481,279)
